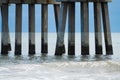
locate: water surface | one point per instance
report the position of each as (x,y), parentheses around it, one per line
(50,67)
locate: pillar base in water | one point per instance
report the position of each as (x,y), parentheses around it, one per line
(44,48)
(31,49)
(4,49)
(85,50)
(17,49)
(60,50)
(9,47)
(99,50)
(109,50)
(71,49)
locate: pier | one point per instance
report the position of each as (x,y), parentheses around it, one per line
(61,9)
(100,9)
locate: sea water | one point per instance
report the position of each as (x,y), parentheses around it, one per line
(51,67)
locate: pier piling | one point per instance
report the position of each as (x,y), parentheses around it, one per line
(60,47)
(31,29)
(106,26)
(84,28)
(44,28)
(61,10)
(18,29)
(56,12)
(97,26)
(71,29)
(5,38)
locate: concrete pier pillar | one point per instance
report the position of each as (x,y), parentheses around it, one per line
(106,27)
(5,38)
(57,13)
(71,28)
(44,28)
(18,29)
(31,29)
(60,47)
(84,28)
(97,26)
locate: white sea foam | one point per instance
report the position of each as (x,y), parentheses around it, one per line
(60,68)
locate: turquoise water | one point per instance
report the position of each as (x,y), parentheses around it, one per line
(60,68)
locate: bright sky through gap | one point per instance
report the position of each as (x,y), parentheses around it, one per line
(114,13)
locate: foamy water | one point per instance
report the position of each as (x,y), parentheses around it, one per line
(60,68)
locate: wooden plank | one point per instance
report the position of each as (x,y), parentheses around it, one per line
(52,2)
(71,29)
(31,29)
(83,0)
(60,47)
(24,1)
(30,1)
(5,39)
(97,26)
(56,12)
(18,29)
(44,28)
(107,31)
(84,28)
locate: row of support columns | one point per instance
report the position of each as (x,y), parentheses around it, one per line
(44,26)
(106,28)
(60,47)
(5,38)
(99,7)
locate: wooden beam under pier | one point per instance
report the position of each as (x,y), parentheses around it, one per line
(29,2)
(83,0)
